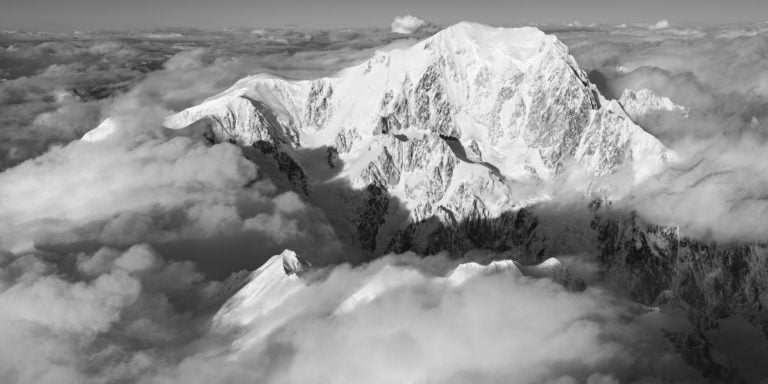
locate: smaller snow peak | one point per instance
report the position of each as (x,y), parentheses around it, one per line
(293,264)
(269,288)
(466,271)
(644,101)
(545,267)
(555,270)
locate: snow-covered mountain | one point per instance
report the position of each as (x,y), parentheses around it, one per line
(464,124)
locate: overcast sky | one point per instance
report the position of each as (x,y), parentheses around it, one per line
(123,14)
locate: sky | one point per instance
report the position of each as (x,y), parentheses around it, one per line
(144,14)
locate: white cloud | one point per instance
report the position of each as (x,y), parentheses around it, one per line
(127,314)
(79,307)
(661,24)
(407,24)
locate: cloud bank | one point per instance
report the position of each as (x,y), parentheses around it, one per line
(661,24)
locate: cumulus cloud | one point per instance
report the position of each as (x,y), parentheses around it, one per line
(79,307)
(56,88)
(661,24)
(407,24)
(117,313)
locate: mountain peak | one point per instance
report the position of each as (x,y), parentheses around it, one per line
(293,264)
(644,101)
(490,42)
(489,34)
